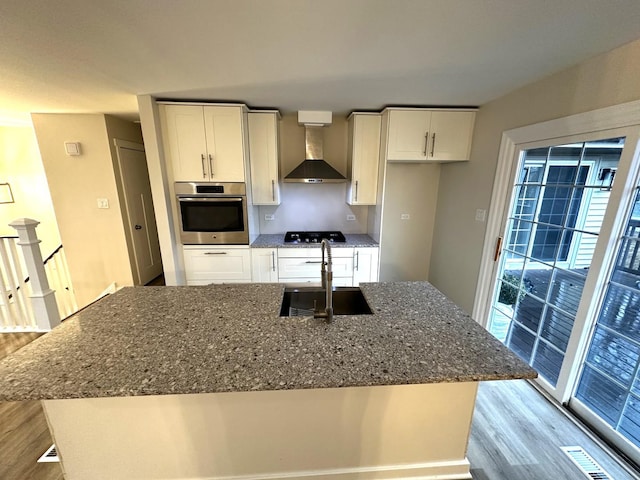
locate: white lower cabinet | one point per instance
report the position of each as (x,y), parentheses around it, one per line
(302,265)
(264,265)
(207,264)
(365,265)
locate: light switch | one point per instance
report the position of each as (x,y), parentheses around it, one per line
(481,215)
(103,203)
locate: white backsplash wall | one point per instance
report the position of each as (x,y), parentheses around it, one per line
(313,207)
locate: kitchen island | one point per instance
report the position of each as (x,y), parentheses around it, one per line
(209,382)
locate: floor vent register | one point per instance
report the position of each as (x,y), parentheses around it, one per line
(51,455)
(585,463)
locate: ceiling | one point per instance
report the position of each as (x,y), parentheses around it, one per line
(339,55)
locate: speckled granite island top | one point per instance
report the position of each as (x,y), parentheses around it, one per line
(227,338)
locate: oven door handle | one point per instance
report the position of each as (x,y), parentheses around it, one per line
(210,199)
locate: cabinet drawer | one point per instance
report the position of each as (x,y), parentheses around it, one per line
(210,265)
(313,282)
(313,252)
(309,267)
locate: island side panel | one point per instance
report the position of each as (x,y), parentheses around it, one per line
(342,433)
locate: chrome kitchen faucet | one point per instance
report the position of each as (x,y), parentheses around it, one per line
(326,275)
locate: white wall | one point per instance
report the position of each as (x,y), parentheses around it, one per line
(606,80)
(94,238)
(410,189)
(21,166)
(313,207)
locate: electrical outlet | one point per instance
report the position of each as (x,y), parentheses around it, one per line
(405,216)
(351,218)
(268,218)
(481,215)
(103,203)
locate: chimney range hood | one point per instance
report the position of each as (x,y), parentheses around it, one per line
(314,169)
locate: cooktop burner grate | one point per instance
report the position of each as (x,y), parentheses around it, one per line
(314,237)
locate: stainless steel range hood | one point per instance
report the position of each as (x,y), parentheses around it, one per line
(314,169)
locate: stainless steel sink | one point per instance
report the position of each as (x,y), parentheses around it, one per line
(303,301)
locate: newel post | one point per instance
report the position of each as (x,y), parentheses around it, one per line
(43,300)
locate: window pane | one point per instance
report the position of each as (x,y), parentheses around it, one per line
(521,341)
(566,290)
(548,362)
(613,355)
(601,395)
(556,328)
(630,421)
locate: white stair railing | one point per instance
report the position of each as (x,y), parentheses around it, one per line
(15,309)
(25,305)
(60,281)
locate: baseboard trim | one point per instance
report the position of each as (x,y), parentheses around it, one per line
(450,470)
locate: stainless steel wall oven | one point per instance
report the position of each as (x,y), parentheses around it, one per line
(212,213)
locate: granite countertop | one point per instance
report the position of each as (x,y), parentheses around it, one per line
(228,338)
(277,240)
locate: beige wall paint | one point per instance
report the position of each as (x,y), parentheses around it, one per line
(605,80)
(405,245)
(93,238)
(313,207)
(21,166)
(347,433)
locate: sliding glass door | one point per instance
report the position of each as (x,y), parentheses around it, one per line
(567,276)
(559,201)
(608,390)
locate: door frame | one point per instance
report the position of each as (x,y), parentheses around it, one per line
(624,117)
(133,256)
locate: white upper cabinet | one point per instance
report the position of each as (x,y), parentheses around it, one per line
(420,135)
(204,142)
(363,157)
(264,158)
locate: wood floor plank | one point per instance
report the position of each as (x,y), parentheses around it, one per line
(24,433)
(10,342)
(517,434)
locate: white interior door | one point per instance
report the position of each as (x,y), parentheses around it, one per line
(141,222)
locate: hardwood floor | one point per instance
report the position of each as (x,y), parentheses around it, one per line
(516,435)
(24,434)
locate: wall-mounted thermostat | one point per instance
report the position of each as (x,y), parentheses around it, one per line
(72,148)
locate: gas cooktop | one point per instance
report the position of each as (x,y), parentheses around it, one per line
(313,237)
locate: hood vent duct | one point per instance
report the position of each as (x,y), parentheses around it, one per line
(314,169)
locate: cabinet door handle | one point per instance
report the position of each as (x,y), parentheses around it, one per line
(273,260)
(215,253)
(496,254)
(204,172)
(356,199)
(211,164)
(356,265)
(313,261)
(433,143)
(273,190)
(426,141)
